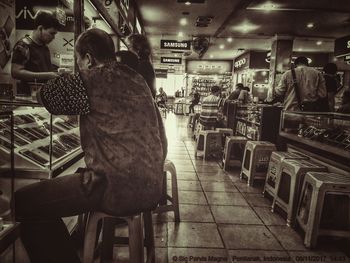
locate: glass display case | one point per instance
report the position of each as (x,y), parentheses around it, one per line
(327,134)
(9,231)
(44,144)
(258,122)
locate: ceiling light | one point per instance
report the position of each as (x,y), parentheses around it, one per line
(300,49)
(230,39)
(222,46)
(183,21)
(310,25)
(211,56)
(245,27)
(175,55)
(269,6)
(319,43)
(180,34)
(188,3)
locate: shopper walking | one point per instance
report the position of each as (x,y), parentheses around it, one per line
(139,44)
(123,139)
(31,60)
(310,87)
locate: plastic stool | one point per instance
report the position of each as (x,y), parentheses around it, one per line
(256,159)
(321,200)
(291,177)
(136,240)
(208,143)
(274,170)
(174,198)
(224,133)
(233,151)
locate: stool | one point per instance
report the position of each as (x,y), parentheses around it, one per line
(273,172)
(136,240)
(225,132)
(190,120)
(174,198)
(288,186)
(324,206)
(233,151)
(208,143)
(256,159)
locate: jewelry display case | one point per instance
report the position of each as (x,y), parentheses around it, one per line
(327,135)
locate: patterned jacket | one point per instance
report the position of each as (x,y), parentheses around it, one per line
(122,134)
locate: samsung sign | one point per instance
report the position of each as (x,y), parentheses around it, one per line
(342,46)
(173,44)
(167,60)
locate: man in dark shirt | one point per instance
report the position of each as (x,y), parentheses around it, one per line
(31,60)
(195,99)
(122,136)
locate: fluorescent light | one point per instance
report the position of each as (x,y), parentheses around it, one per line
(188,3)
(245,27)
(319,43)
(180,34)
(222,46)
(230,39)
(183,21)
(310,25)
(211,56)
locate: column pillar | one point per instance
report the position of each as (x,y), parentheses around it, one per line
(281,56)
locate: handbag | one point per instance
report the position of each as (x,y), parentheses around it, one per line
(320,105)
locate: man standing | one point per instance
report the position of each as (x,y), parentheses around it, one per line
(31,60)
(310,82)
(211,114)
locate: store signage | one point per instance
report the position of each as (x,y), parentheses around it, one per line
(161,73)
(208,66)
(342,46)
(173,44)
(168,60)
(240,63)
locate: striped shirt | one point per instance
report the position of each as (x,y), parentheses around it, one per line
(210,110)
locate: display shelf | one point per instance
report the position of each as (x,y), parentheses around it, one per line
(326,135)
(317,145)
(254,121)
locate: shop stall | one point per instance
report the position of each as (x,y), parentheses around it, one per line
(204,74)
(252,70)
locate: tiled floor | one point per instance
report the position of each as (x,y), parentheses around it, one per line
(222,219)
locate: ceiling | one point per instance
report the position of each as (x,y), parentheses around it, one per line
(250,24)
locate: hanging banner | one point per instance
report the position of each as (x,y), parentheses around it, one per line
(169,60)
(174,44)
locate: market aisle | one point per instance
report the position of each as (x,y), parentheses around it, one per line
(222,219)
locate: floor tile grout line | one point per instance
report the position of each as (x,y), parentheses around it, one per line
(211,212)
(252,207)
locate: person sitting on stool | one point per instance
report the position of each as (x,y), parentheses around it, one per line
(161,98)
(211,115)
(123,139)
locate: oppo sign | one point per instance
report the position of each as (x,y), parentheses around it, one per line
(240,63)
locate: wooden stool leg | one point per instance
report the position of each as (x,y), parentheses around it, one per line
(135,242)
(90,237)
(107,238)
(149,237)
